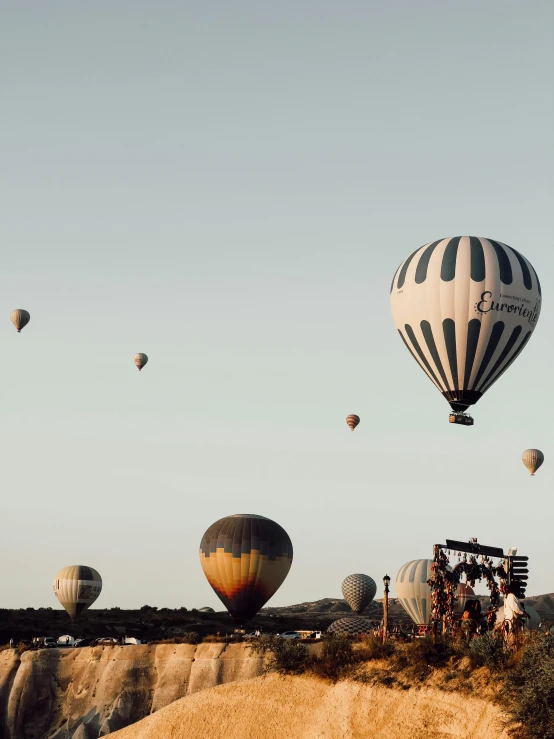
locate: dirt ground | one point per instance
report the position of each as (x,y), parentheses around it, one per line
(311,708)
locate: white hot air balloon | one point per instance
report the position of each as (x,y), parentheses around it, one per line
(77,587)
(140,360)
(412,589)
(465,307)
(532,459)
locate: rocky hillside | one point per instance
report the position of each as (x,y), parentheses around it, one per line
(90,692)
(310,708)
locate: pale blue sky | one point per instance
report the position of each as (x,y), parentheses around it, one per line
(229,187)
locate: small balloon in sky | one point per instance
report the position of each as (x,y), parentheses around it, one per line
(20,318)
(532,459)
(140,360)
(352,421)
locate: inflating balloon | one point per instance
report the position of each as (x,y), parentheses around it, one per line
(140,360)
(352,421)
(77,587)
(532,459)
(358,591)
(20,318)
(245,559)
(465,307)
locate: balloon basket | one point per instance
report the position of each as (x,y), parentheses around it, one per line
(462,419)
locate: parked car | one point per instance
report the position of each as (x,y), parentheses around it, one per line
(84,642)
(314,635)
(105,640)
(49,642)
(290,635)
(133,640)
(65,641)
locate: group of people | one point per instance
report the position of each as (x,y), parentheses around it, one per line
(475,622)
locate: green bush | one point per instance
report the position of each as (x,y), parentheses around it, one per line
(528,691)
(287,656)
(375,648)
(421,655)
(337,658)
(489,651)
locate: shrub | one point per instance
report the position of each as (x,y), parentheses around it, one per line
(528,690)
(374,648)
(489,651)
(337,659)
(288,656)
(421,655)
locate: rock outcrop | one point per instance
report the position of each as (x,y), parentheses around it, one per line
(91,692)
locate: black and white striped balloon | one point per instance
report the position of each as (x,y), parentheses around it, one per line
(465,307)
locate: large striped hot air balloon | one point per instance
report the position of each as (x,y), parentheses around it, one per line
(245,559)
(412,590)
(532,459)
(358,591)
(20,318)
(140,360)
(77,587)
(465,307)
(352,421)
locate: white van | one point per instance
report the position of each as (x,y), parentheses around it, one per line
(66,641)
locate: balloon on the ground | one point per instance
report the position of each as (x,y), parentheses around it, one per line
(206,609)
(350,626)
(464,593)
(20,318)
(358,591)
(532,459)
(465,307)
(245,559)
(352,421)
(77,587)
(140,360)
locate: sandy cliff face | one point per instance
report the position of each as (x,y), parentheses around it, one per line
(88,693)
(310,708)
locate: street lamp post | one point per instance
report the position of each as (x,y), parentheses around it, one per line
(386,583)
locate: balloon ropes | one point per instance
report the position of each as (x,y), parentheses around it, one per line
(465,307)
(444,582)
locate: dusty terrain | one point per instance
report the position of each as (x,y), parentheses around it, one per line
(310,708)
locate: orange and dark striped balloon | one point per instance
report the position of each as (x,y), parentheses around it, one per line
(352,420)
(245,559)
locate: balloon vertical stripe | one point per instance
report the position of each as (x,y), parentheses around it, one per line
(495,337)
(423,265)
(503,263)
(449,330)
(430,341)
(448,268)
(421,355)
(504,354)
(409,348)
(527,281)
(517,352)
(477,259)
(404,270)
(473,331)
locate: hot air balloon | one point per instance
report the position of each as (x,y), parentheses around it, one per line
(465,307)
(140,360)
(77,587)
(412,590)
(465,593)
(352,421)
(245,559)
(358,591)
(20,318)
(350,626)
(532,459)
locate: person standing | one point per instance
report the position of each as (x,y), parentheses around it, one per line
(514,613)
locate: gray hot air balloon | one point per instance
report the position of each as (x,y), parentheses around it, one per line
(140,360)
(352,421)
(358,591)
(350,626)
(465,307)
(77,587)
(532,459)
(20,318)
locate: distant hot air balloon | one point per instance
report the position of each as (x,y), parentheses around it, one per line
(140,360)
(20,318)
(465,307)
(245,559)
(350,626)
(532,459)
(352,421)
(358,591)
(77,587)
